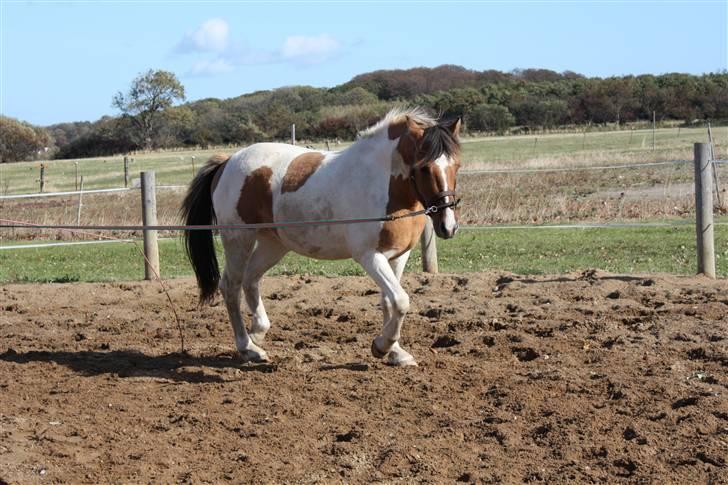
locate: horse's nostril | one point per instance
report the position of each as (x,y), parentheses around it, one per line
(443,228)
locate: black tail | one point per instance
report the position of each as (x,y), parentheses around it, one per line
(197,210)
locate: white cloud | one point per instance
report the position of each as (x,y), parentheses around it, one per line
(212,35)
(210,68)
(223,54)
(313,49)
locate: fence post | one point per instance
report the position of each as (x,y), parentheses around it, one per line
(126,172)
(75,165)
(149,218)
(80,203)
(293,134)
(704,210)
(716,180)
(42,176)
(428,247)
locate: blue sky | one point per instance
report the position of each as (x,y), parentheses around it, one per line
(64,61)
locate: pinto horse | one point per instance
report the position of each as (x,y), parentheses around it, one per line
(406,162)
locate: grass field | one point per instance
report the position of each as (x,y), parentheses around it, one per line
(625,146)
(542,251)
(644,194)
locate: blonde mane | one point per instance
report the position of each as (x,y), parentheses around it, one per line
(395,115)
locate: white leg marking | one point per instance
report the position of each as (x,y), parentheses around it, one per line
(377,266)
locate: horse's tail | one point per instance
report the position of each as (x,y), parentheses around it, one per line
(197,210)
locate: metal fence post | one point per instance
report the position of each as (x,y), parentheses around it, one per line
(149,218)
(428,246)
(704,210)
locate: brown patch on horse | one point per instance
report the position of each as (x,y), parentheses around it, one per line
(401,235)
(408,141)
(299,170)
(255,204)
(396,130)
(217,159)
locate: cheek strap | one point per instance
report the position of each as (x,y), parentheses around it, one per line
(433,205)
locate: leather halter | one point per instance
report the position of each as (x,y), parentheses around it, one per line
(433,205)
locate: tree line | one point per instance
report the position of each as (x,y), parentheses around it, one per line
(489,101)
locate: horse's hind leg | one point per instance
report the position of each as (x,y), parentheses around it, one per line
(238,246)
(267,252)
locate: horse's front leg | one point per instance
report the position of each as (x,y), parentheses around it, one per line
(395,304)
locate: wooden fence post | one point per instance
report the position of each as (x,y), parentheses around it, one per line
(126,172)
(42,176)
(704,210)
(149,218)
(716,180)
(428,247)
(80,203)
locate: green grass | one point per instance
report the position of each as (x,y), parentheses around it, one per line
(615,143)
(174,168)
(543,251)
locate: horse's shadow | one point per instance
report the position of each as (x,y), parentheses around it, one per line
(129,363)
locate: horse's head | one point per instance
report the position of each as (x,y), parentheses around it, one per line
(431,155)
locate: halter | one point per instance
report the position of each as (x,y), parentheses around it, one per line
(432,206)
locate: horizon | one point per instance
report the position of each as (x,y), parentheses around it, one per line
(216,54)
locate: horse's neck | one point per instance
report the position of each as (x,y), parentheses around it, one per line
(380,152)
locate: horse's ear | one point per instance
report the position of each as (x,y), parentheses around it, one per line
(454,126)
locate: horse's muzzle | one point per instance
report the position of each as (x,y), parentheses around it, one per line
(443,231)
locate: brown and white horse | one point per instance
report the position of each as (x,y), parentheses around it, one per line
(406,161)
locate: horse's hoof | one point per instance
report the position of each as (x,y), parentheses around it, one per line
(376,352)
(253,356)
(397,360)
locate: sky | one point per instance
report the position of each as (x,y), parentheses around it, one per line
(64,61)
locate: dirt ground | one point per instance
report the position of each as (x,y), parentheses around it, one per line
(587,377)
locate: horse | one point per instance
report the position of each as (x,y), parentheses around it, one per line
(405,163)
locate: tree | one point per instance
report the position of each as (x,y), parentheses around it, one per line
(149,94)
(489,117)
(20,140)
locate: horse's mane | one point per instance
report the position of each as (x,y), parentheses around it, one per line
(437,139)
(395,115)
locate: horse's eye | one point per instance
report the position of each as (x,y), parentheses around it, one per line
(423,169)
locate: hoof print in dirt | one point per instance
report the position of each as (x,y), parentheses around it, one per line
(444,341)
(433,313)
(627,467)
(464,478)
(684,402)
(615,295)
(489,340)
(525,354)
(348,437)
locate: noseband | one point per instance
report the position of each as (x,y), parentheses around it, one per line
(434,204)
